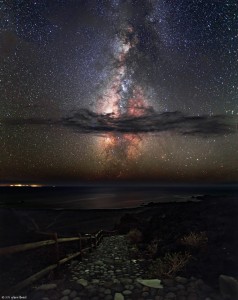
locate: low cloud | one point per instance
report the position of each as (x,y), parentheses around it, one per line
(86,121)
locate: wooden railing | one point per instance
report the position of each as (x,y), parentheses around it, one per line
(92,242)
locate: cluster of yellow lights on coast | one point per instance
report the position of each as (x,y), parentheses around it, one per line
(24,185)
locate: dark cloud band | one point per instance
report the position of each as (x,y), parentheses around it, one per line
(86,121)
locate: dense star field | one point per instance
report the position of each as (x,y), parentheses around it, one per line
(118,90)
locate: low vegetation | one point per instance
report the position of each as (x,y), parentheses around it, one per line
(152,249)
(134,236)
(194,240)
(169,265)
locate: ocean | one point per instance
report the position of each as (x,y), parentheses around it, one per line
(108,197)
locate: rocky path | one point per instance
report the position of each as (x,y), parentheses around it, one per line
(109,273)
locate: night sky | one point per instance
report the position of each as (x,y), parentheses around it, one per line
(118,90)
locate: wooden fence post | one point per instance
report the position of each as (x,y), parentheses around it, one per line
(80,246)
(97,239)
(55,237)
(100,236)
(53,240)
(91,243)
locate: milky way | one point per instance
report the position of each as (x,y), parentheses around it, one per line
(122,98)
(120,90)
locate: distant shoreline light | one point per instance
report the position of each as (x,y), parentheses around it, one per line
(24,185)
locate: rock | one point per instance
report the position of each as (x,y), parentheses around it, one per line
(101,290)
(136,292)
(66,292)
(180,287)
(127,292)
(181,293)
(191,289)
(145,294)
(181,280)
(108,284)
(73,294)
(73,263)
(76,286)
(92,291)
(36,295)
(160,292)
(228,287)
(107,292)
(168,282)
(199,283)
(111,272)
(206,289)
(153,292)
(129,287)
(46,287)
(192,296)
(117,287)
(154,283)
(108,261)
(116,281)
(137,285)
(77,298)
(64,298)
(158,298)
(108,297)
(95,281)
(170,295)
(172,289)
(118,262)
(118,296)
(99,263)
(83,282)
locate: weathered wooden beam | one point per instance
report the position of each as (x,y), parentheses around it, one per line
(86,249)
(99,232)
(65,240)
(64,260)
(40,274)
(35,245)
(24,247)
(29,280)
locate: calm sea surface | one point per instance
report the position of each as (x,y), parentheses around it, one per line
(101,197)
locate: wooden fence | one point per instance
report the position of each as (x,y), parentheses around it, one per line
(92,241)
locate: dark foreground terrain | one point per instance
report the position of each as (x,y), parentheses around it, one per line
(202,234)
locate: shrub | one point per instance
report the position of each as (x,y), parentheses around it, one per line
(134,252)
(151,249)
(134,236)
(194,240)
(169,265)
